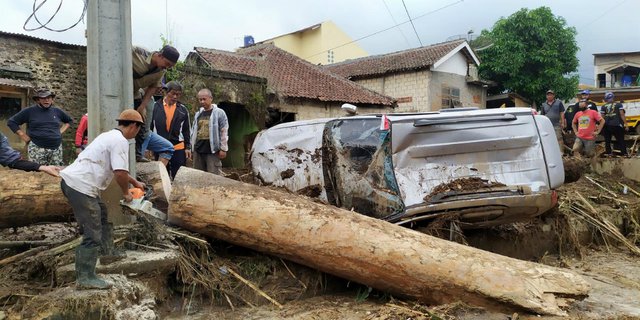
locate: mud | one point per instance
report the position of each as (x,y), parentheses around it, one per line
(313,191)
(287,174)
(462,184)
(574,168)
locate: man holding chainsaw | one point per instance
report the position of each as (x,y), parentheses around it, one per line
(105,158)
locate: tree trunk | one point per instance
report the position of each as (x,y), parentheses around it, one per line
(31,197)
(155,175)
(366,250)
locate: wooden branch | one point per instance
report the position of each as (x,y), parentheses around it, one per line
(22,255)
(616,200)
(605,224)
(20,244)
(601,187)
(629,188)
(64,247)
(293,275)
(184,235)
(253,286)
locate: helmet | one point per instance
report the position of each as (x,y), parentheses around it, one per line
(586,91)
(608,96)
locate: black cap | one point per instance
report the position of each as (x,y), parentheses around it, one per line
(170,53)
(42,93)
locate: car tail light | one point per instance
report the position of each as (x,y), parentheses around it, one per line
(554,198)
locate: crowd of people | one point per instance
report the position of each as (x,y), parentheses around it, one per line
(166,132)
(578,126)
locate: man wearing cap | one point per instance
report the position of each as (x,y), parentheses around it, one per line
(105,158)
(148,70)
(614,125)
(12,159)
(45,126)
(553,109)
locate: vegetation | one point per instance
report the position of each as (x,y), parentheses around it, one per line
(530,52)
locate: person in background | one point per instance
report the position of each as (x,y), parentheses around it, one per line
(149,69)
(12,159)
(587,124)
(553,109)
(45,126)
(615,125)
(82,137)
(107,157)
(170,120)
(209,134)
(586,95)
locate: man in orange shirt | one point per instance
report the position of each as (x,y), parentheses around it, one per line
(170,120)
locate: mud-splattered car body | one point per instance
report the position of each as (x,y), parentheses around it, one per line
(389,167)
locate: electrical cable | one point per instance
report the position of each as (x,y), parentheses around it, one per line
(387,29)
(45,25)
(414,27)
(396,23)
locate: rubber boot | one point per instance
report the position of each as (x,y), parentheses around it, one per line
(86,259)
(110,253)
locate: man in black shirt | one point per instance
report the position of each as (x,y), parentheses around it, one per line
(615,125)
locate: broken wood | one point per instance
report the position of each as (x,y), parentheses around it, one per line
(252,286)
(601,187)
(630,189)
(155,175)
(31,197)
(363,249)
(22,255)
(22,244)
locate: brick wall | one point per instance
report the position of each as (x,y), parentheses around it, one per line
(61,67)
(422,90)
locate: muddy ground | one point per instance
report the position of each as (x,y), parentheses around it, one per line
(202,288)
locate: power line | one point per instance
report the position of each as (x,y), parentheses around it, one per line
(396,23)
(414,27)
(604,13)
(45,25)
(387,29)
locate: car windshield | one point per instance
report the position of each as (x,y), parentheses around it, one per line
(357,163)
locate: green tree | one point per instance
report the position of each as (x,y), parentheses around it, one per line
(531,51)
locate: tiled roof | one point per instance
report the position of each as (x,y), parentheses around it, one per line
(16,83)
(291,76)
(406,60)
(27,37)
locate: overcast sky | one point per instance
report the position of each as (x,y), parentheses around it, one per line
(603,26)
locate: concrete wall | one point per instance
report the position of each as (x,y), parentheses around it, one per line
(314,44)
(601,63)
(61,67)
(421,91)
(409,88)
(470,95)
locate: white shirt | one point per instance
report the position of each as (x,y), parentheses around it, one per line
(92,171)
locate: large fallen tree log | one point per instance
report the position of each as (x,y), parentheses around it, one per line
(155,175)
(363,249)
(31,197)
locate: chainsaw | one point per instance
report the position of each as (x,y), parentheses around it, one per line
(141,204)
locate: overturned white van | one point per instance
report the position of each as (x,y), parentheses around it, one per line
(484,167)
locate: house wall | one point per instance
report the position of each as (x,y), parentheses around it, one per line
(457,64)
(61,67)
(470,95)
(409,88)
(603,62)
(306,110)
(314,45)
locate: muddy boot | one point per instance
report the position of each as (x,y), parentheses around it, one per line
(86,259)
(109,253)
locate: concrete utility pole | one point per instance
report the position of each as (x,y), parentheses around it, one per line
(109,77)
